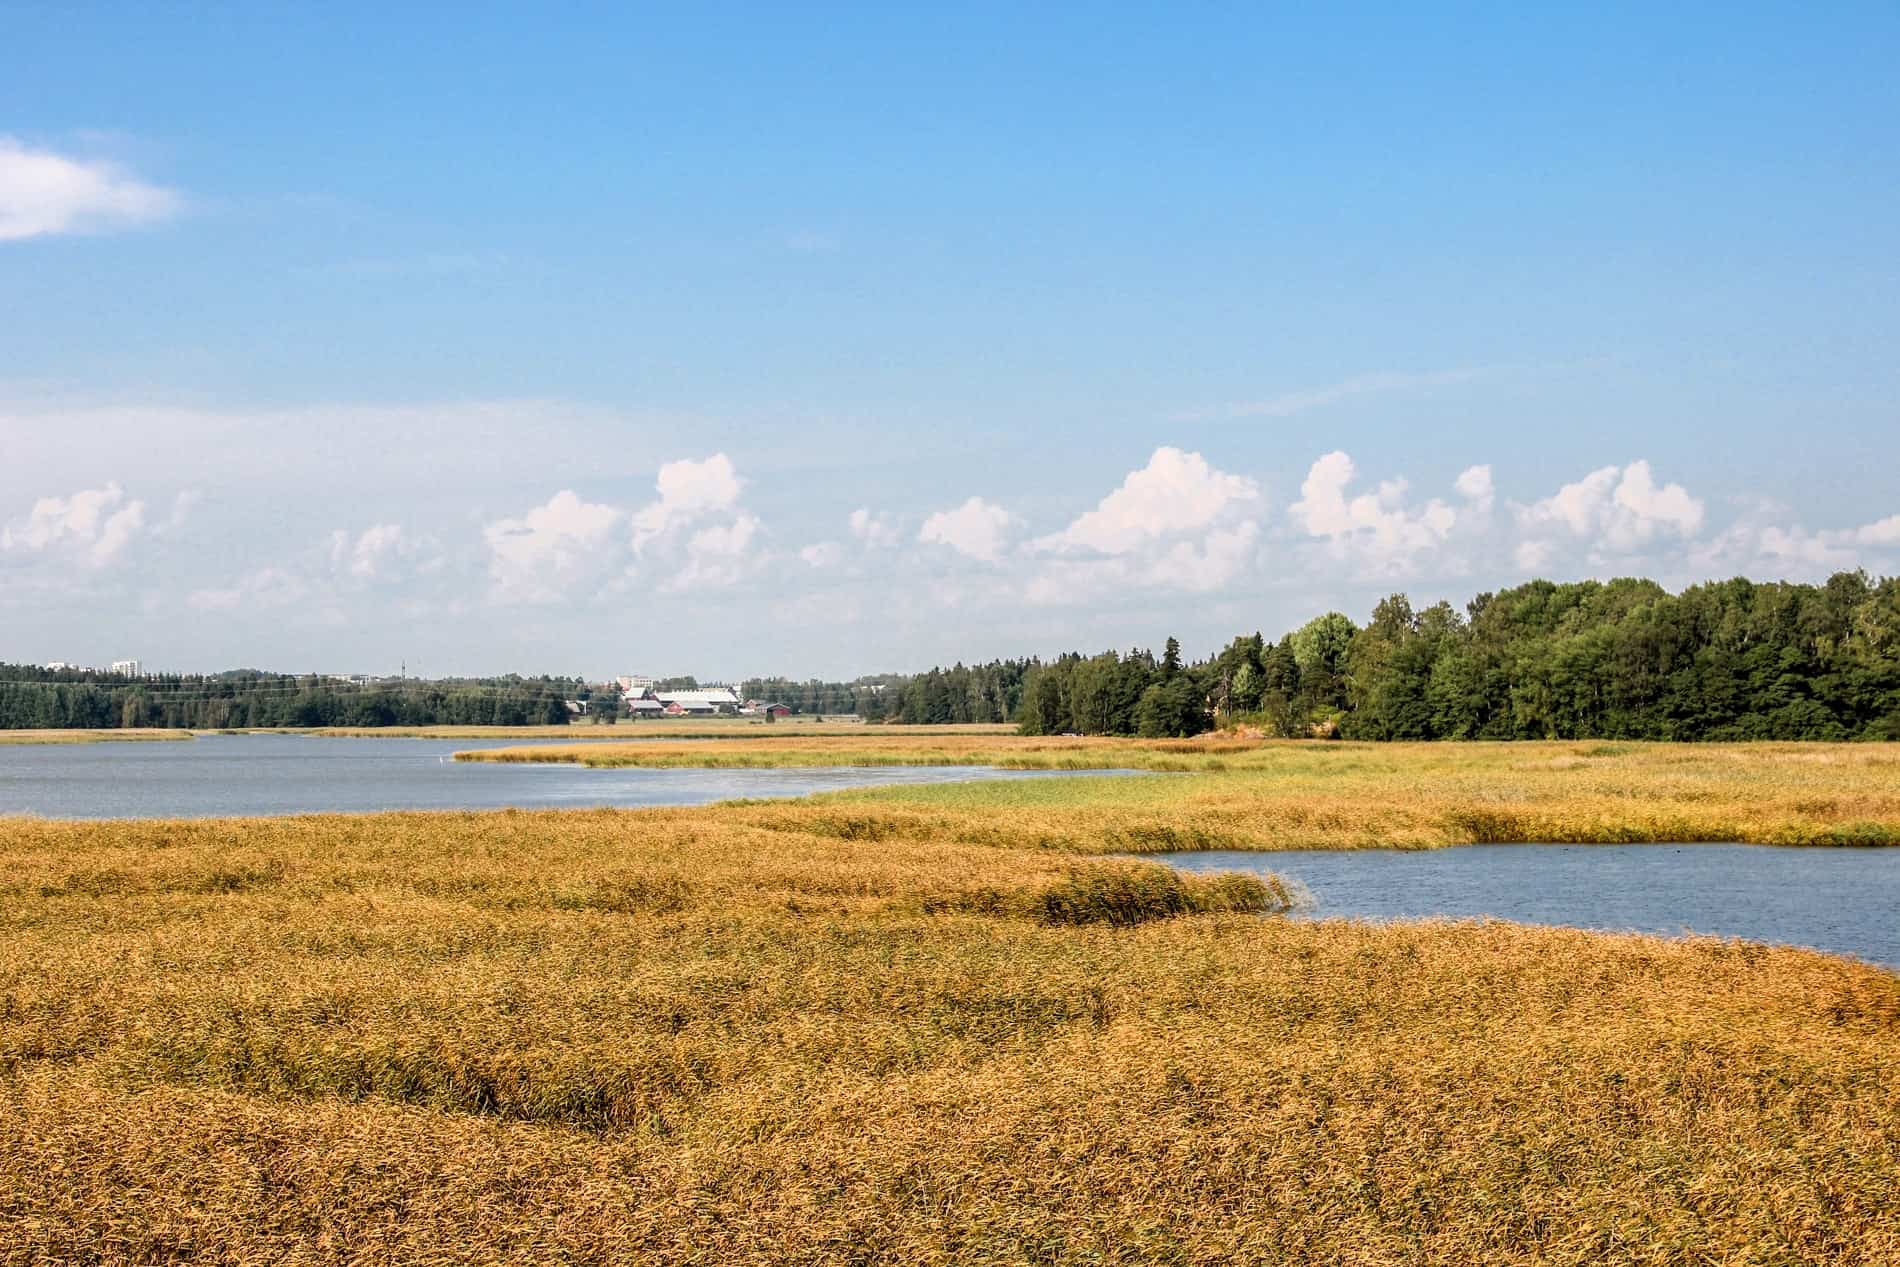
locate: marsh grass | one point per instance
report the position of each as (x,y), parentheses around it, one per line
(652,730)
(923,1027)
(1222,793)
(87,736)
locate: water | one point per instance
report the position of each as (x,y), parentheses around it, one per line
(219,775)
(1842,900)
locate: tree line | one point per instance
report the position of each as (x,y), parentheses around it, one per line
(34,698)
(1623,659)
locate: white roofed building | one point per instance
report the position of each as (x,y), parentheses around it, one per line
(717,700)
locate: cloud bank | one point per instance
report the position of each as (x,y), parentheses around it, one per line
(1175,535)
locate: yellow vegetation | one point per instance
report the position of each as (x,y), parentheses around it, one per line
(86,736)
(1244,794)
(649,728)
(858,1029)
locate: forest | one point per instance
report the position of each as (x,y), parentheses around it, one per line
(1623,659)
(34,698)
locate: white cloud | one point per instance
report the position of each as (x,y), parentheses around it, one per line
(688,491)
(1795,546)
(1208,565)
(1175,524)
(539,556)
(1202,565)
(119,529)
(96,524)
(44,193)
(1884,532)
(182,506)
(1751,547)
(976,528)
(822,554)
(718,555)
(1377,527)
(1474,485)
(1616,509)
(1531,556)
(1175,493)
(874,529)
(369,553)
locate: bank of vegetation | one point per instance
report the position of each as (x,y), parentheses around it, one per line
(780,1033)
(1227,793)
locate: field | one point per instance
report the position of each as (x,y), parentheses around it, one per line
(926,1025)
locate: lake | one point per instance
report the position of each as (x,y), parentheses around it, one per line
(1842,900)
(219,775)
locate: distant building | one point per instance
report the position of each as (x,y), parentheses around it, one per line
(717,700)
(59,666)
(643,707)
(634,685)
(776,711)
(126,668)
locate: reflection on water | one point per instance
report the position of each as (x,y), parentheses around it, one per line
(1841,900)
(303,774)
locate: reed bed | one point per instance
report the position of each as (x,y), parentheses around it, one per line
(782,1033)
(650,729)
(86,736)
(1222,793)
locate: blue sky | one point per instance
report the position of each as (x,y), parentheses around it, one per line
(827,340)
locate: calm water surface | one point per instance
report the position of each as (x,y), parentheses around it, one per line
(303,774)
(1842,900)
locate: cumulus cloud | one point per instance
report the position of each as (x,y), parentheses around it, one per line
(874,529)
(1206,565)
(539,556)
(1177,523)
(1474,485)
(94,524)
(182,505)
(822,554)
(43,193)
(1377,527)
(717,555)
(1884,532)
(976,528)
(1175,493)
(1616,509)
(369,553)
(695,535)
(1202,564)
(688,491)
(1753,546)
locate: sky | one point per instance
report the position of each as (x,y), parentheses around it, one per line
(827,340)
